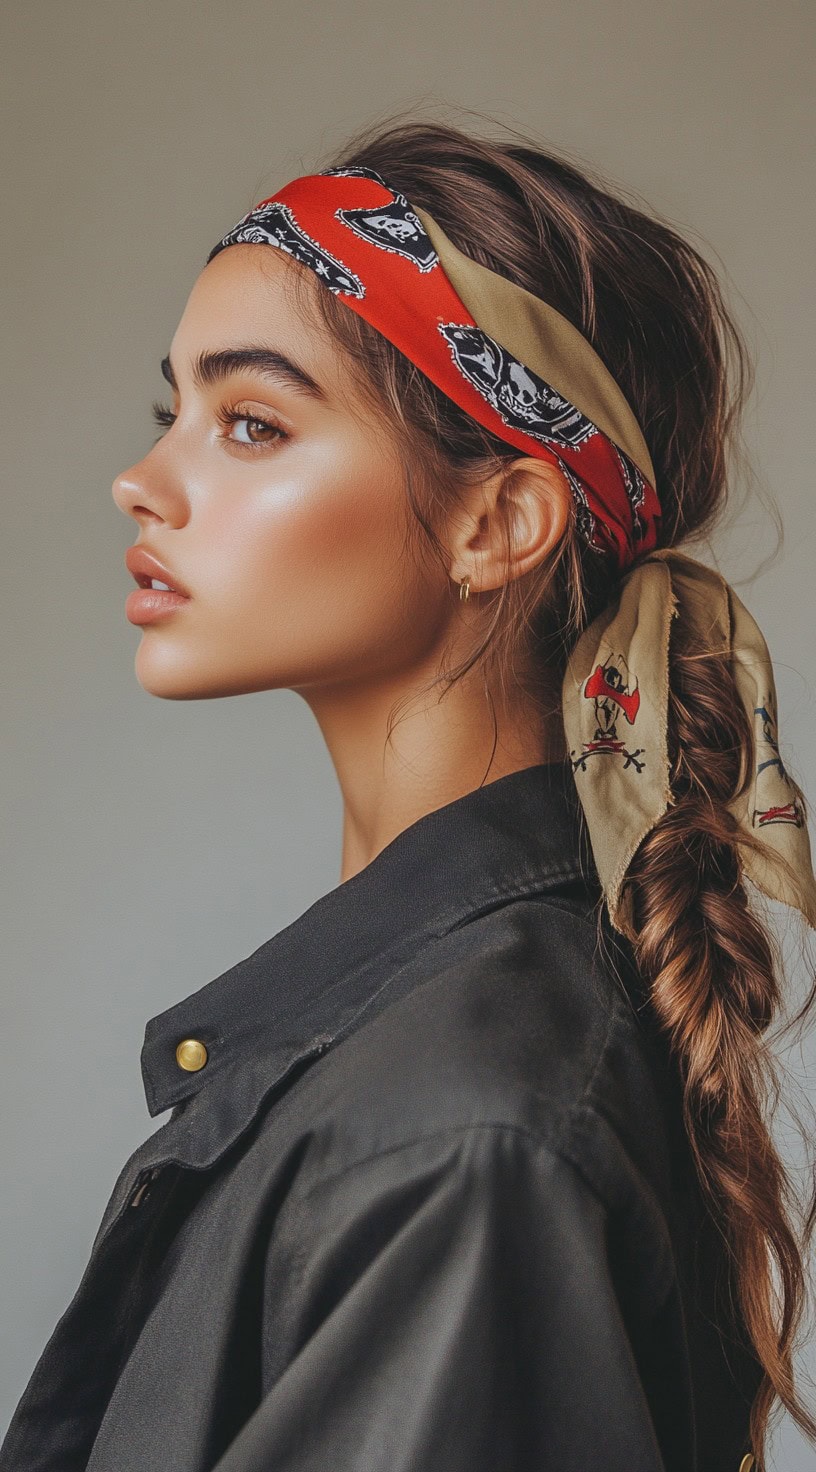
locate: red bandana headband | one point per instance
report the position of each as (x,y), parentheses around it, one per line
(393,265)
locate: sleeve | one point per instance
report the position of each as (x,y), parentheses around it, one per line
(449,1308)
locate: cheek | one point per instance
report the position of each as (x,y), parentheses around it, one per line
(307,574)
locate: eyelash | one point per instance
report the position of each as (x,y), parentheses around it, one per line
(164,417)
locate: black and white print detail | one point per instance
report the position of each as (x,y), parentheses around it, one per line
(586,523)
(274,224)
(393,227)
(635,486)
(523,400)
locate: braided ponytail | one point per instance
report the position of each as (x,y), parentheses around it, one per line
(712,975)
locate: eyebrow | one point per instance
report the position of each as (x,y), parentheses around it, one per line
(213,367)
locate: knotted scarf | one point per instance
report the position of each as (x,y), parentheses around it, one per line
(518,367)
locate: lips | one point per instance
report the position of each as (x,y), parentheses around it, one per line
(145,567)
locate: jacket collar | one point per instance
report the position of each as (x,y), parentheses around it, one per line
(520,834)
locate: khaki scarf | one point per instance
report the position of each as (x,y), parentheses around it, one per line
(615,703)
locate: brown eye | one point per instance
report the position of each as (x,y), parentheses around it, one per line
(256,429)
(252,431)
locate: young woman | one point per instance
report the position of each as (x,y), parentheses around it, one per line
(467,1167)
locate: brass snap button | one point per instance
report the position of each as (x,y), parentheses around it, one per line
(191,1055)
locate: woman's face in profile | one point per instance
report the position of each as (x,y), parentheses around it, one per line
(277,507)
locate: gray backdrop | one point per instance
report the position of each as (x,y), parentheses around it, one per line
(151,844)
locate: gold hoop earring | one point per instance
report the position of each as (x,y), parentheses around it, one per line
(464,591)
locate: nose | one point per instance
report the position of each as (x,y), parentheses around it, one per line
(148,492)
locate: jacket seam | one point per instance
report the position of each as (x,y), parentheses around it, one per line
(560,1151)
(450,1132)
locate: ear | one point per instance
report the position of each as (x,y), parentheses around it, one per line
(510,523)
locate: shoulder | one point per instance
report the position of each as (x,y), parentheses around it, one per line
(518,1022)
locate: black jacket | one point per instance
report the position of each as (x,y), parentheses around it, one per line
(426,1207)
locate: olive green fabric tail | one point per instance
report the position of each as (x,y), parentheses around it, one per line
(545,341)
(617,730)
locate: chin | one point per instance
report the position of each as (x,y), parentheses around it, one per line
(170,675)
(173,673)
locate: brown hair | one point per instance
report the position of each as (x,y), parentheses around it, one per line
(654,311)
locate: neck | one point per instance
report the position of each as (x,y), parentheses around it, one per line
(440,749)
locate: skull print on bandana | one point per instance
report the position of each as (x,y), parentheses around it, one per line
(364,242)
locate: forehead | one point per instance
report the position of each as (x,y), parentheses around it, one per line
(255,293)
